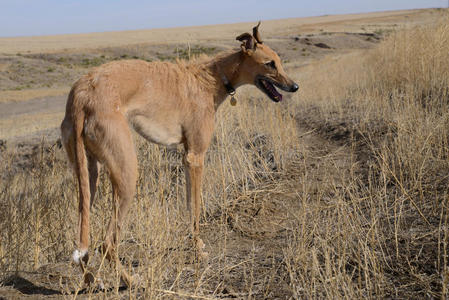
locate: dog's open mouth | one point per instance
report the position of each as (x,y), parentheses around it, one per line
(267,86)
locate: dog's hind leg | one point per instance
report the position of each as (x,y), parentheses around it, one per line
(77,156)
(93,166)
(121,161)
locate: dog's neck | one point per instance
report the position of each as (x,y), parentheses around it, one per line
(225,69)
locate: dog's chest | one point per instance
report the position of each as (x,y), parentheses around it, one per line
(164,132)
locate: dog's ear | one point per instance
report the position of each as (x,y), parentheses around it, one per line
(256,33)
(248,42)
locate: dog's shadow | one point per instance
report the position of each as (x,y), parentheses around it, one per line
(27,287)
(96,291)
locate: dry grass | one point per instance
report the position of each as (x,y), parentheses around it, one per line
(353,204)
(390,105)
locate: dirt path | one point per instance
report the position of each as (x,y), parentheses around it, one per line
(33,106)
(28,122)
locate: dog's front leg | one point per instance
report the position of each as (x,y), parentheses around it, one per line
(194,163)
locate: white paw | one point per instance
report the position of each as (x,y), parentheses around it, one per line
(100,285)
(78,255)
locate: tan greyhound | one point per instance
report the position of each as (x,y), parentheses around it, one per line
(166,103)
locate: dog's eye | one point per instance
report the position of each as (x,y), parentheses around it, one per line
(271,64)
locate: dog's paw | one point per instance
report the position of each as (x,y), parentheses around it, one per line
(128,281)
(80,255)
(200,246)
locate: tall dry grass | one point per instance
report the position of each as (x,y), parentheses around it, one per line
(390,107)
(352,203)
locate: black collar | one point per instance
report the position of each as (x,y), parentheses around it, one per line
(229,88)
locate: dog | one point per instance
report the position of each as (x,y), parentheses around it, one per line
(166,103)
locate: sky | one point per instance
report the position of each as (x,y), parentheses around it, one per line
(46,17)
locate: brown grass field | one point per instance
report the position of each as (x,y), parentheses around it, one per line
(338,192)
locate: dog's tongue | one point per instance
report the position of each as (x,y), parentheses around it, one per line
(273,91)
(277,96)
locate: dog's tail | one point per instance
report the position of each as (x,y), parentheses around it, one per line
(78,99)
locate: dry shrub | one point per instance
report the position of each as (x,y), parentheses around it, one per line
(413,64)
(390,107)
(412,81)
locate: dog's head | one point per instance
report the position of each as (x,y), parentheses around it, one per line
(262,67)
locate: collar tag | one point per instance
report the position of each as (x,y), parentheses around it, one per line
(230,90)
(233,100)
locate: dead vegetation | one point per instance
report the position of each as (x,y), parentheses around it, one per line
(340,192)
(390,105)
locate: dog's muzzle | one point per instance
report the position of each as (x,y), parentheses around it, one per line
(268,86)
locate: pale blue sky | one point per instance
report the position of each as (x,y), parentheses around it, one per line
(43,17)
